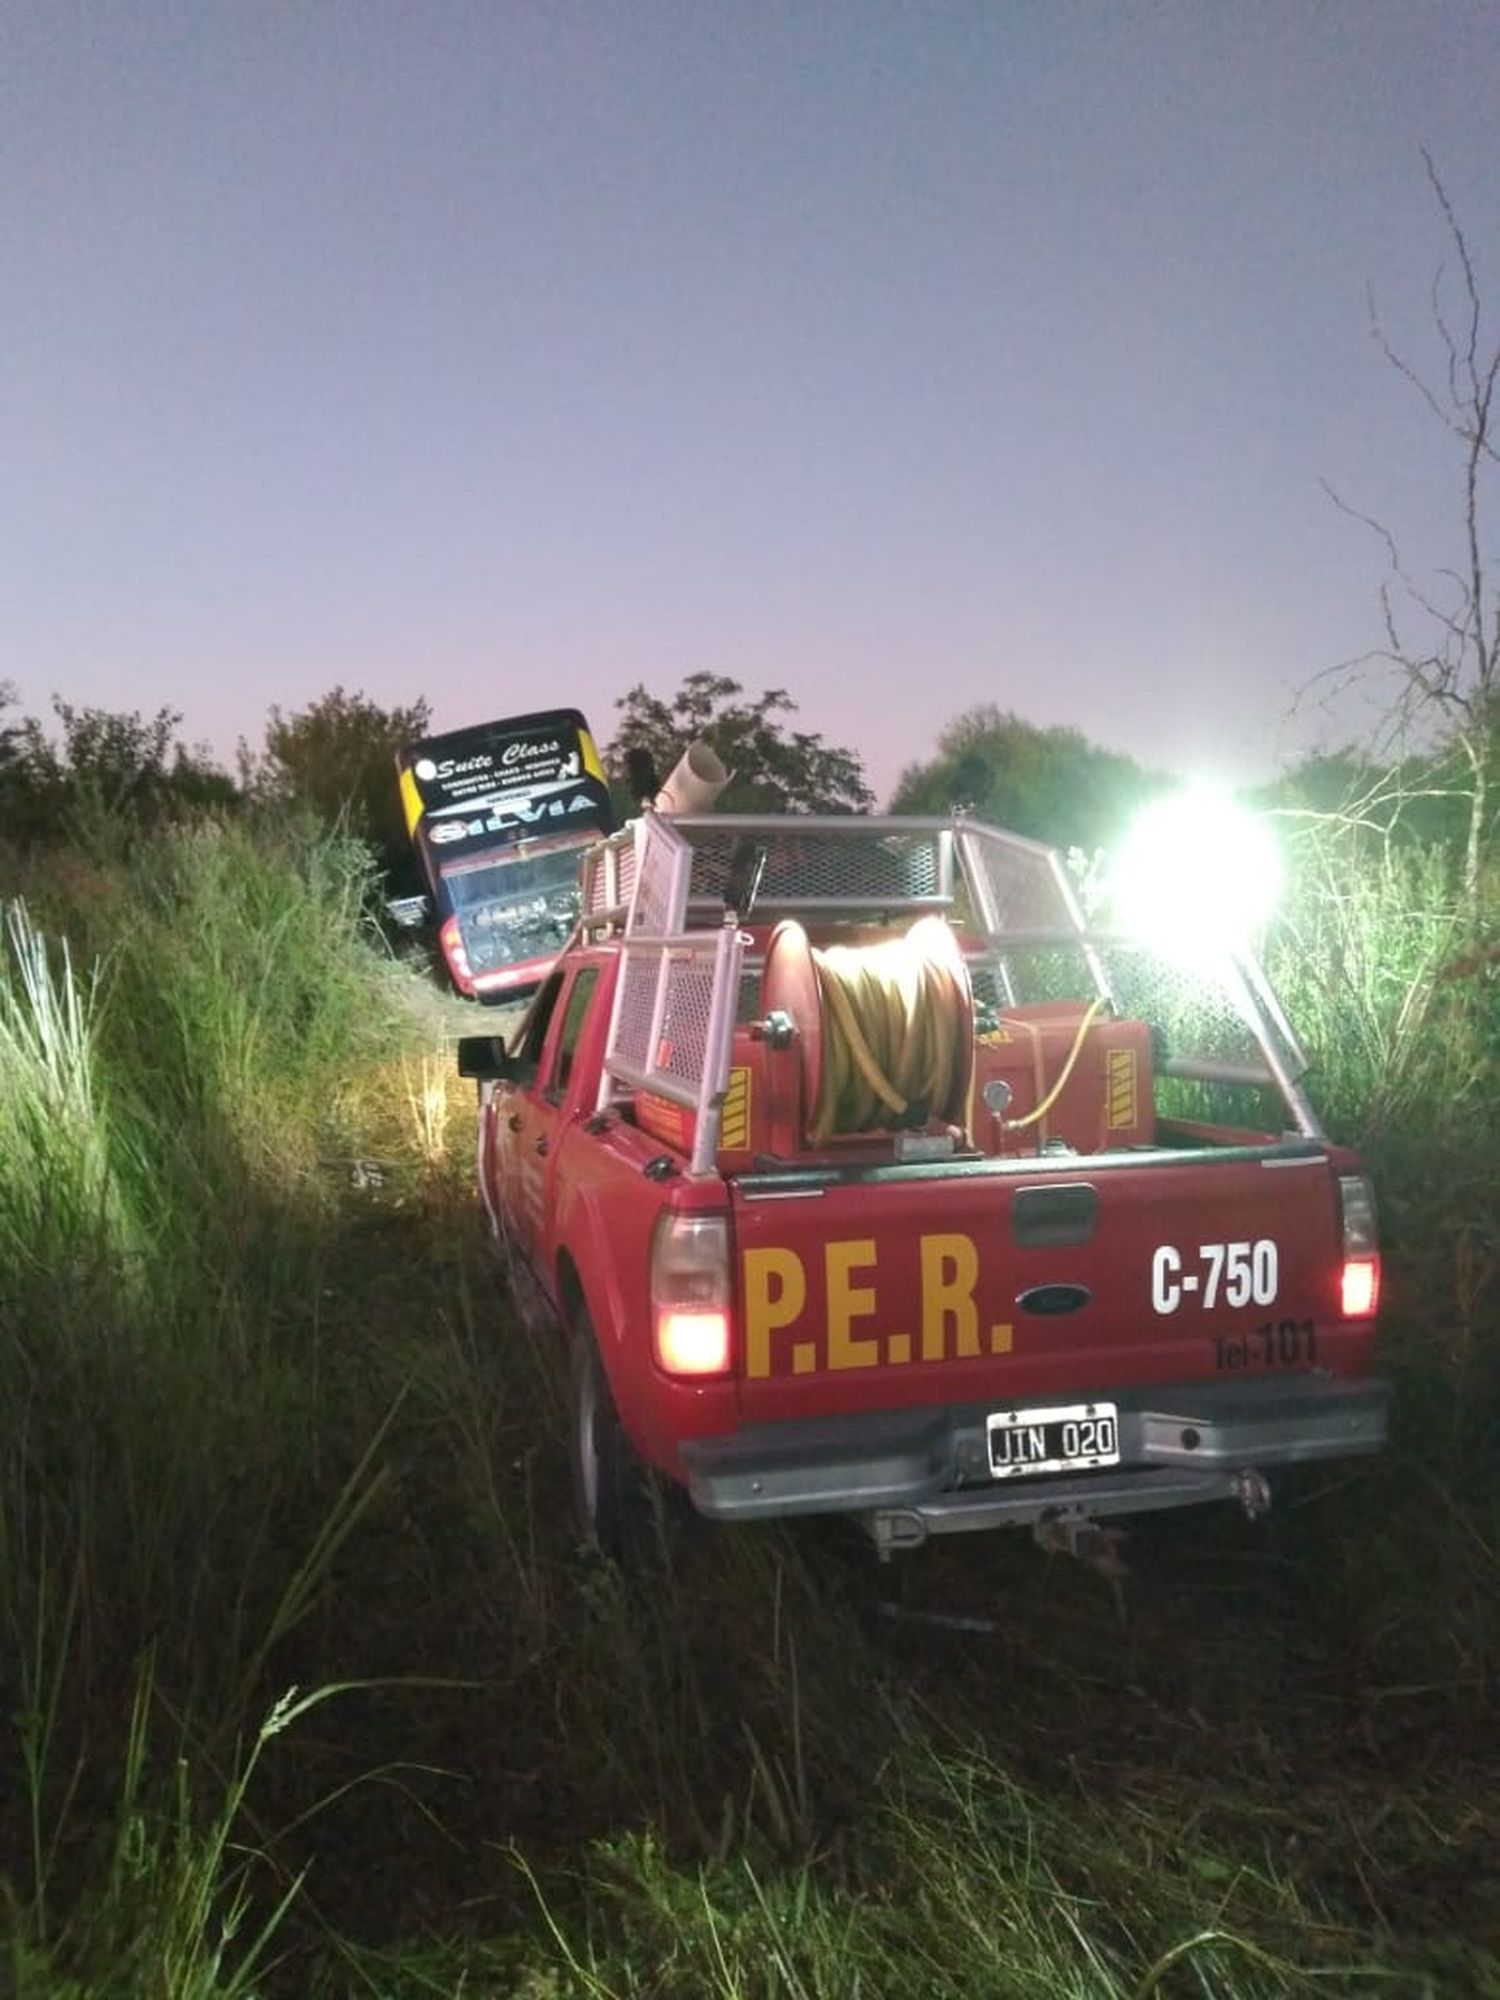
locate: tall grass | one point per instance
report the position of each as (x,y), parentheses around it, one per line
(182,1459)
(59,1201)
(1399,1003)
(1371,954)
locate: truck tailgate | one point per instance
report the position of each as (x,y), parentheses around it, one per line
(1018,1282)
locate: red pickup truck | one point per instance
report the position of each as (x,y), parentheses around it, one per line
(864,1176)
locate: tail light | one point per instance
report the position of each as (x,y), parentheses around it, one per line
(690,1295)
(1361,1282)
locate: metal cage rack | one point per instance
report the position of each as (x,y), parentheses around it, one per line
(666,888)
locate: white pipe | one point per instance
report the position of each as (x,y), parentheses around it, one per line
(697,781)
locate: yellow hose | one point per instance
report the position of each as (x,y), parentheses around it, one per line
(1040,1111)
(896,1025)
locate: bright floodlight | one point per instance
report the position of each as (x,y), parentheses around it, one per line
(1196,875)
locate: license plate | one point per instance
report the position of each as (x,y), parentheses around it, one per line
(1075,1437)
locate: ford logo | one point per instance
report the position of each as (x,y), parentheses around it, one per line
(1051,1301)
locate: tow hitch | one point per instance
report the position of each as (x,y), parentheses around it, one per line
(1066,1522)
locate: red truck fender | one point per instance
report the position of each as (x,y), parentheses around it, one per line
(603,1262)
(587,1274)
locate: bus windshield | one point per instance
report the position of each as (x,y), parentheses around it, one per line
(499,814)
(519,907)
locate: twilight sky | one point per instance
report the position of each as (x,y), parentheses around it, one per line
(909,356)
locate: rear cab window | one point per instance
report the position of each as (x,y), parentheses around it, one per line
(565,1045)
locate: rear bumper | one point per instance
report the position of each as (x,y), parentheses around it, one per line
(912,1473)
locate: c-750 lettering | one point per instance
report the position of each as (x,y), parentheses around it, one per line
(1216,1275)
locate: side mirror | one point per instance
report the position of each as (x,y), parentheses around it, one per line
(409,913)
(484,1058)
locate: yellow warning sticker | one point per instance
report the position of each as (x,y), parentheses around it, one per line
(1120,1089)
(734,1123)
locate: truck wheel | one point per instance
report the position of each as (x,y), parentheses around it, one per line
(610,1497)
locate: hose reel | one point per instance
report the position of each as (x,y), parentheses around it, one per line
(887,1029)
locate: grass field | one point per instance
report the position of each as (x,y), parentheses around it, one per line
(308,1691)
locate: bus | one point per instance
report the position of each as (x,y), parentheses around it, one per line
(499,815)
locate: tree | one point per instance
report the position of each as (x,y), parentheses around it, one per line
(1050,784)
(1442,637)
(337,758)
(12,770)
(1414,801)
(117,764)
(771,768)
(10,734)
